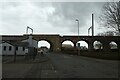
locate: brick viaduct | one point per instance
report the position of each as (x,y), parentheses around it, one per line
(57,40)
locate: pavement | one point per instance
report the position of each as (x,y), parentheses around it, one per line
(41,67)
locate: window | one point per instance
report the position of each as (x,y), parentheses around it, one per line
(23,48)
(10,48)
(16,48)
(4,48)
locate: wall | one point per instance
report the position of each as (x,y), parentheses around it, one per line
(12,51)
(33,43)
(105,40)
(20,51)
(7,52)
(56,44)
(55,41)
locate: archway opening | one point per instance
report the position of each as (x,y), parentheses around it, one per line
(97,45)
(113,45)
(67,44)
(44,45)
(82,45)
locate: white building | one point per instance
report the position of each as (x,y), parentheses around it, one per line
(8,48)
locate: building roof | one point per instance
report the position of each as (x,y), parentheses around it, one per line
(15,37)
(19,44)
(12,37)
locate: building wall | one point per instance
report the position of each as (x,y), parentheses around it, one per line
(7,51)
(35,44)
(32,43)
(12,51)
(20,51)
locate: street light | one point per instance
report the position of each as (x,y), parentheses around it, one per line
(78,34)
(29,28)
(89,30)
(78,27)
(92,24)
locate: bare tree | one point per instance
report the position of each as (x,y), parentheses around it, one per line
(111,16)
(107,33)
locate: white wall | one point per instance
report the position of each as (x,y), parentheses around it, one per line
(32,43)
(6,52)
(10,52)
(20,51)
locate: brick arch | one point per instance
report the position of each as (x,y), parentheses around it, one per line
(84,39)
(56,39)
(87,42)
(72,40)
(68,40)
(105,44)
(51,44)
(98,41)
(114,42)
(101,41)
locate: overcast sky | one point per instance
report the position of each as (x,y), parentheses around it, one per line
(49,17)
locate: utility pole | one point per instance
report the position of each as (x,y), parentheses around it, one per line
(78,37)
(92,24)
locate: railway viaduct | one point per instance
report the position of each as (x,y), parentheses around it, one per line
(57,40)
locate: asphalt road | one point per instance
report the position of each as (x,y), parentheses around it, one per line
(73,66)
(58,65)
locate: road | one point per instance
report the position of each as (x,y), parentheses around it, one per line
(58,65)
(73,66)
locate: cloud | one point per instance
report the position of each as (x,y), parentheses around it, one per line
(66,13)
(47,17)
(18,15)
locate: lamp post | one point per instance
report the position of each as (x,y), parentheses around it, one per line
(78,27)
(29,28)
(78,35)
(89,30)
(92,24)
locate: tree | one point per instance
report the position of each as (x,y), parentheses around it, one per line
(111,16)
(107,33)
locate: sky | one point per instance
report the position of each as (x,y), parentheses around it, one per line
(49,16)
